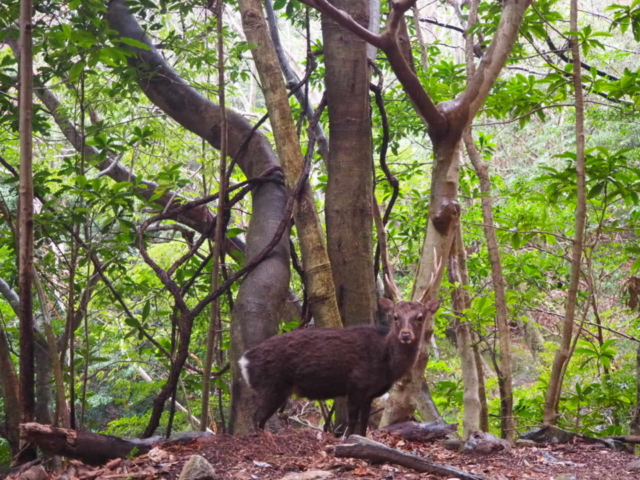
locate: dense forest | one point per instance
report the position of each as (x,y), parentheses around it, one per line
(181,181)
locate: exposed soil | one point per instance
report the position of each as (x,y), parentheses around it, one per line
(269,456)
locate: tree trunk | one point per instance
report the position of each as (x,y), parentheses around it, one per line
(634,423)
(426,406)
(10,393)
(550,415)
(319,283)
(292,80)
(215,322)
(256,312)
(348,210)
(482,391)
(443,217)
(25,217)
(461,302)
(497,278)
(48,361)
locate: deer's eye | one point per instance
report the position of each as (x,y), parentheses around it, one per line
(395,317)
(419,318)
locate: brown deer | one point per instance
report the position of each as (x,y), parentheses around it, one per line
(360,363)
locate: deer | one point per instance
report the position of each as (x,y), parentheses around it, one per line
(361,362)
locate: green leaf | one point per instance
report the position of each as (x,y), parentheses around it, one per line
(134,43)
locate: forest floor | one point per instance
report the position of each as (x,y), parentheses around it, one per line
(295,453)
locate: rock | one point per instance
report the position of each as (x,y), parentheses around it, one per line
(483,442)
(308,475)
(197,468)
(565,476)
(34,473)
(634,466)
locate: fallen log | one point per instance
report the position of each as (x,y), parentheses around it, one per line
(550,434)
(90,448)
(633,439)
(365,449)
(421,432)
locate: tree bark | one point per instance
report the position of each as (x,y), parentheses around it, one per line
(552,399)
(256,313)
(319,283)
(462,302)
(25,218)
(348,207)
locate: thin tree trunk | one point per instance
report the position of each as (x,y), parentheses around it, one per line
(482,391)
(550,415)
(293,79)
(61,417)
(497,278)
(462,302)
(25,217)
(214,323)
(319,283)
(424,56)
(348,209)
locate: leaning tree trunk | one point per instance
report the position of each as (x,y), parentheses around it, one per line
(461,302)
(348,209)
(550,415)
(256,312)
(318,280)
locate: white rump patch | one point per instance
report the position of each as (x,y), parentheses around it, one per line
(244,369)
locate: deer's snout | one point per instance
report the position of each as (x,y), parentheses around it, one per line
(406,337)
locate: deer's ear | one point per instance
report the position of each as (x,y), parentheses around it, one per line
(432,306)
(386,305)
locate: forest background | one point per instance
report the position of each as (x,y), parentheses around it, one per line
(458,134)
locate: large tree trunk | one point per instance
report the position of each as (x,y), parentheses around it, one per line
(550,415)
(443,217)
(319,284)
(499,287)
(461,302)
(348,209)
(256,313)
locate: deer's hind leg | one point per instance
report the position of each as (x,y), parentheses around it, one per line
(267,403)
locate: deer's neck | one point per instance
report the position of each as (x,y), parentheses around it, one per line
(402,357)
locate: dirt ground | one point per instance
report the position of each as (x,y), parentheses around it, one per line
(294,451)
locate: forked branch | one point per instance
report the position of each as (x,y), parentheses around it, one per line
(388,43)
